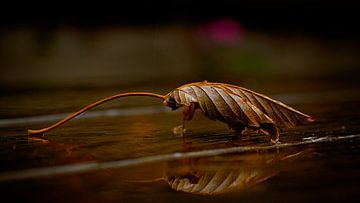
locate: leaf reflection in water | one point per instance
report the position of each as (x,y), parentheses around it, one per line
(227,173)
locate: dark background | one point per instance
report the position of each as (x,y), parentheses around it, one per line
(319,18)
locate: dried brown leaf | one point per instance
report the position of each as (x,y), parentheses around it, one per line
(237,106)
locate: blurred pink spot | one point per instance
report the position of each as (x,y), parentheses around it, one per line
(225,31)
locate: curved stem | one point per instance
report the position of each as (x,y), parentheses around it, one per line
(94,105)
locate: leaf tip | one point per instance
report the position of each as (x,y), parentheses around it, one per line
(310,119)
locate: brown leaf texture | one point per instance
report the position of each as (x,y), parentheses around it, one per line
(237,106)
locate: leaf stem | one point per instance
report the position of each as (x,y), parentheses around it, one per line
(31,132)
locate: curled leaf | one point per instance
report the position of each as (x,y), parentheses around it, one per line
(237,106)
(234,105)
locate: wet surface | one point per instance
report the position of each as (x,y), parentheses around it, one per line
(129,156)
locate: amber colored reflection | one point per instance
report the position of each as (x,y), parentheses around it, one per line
(227,173)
